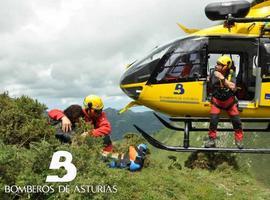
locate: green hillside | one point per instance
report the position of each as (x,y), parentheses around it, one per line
(254,164)
(123,123)
(27,144)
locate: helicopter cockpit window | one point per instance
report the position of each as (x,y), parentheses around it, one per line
(180,66)
(142,69)
(169,59)
(182,62)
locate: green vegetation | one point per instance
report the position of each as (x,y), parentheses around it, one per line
(22,121)
(27,144)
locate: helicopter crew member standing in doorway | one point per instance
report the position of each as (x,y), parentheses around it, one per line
(223,84)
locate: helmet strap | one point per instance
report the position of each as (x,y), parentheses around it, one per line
(90,105)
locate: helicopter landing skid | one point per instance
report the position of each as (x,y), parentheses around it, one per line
(188,127)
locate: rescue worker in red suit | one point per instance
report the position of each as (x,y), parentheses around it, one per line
(223,84)
(93,114)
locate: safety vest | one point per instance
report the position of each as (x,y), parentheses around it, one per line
(219,90)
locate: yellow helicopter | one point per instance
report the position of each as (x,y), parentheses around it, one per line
(174,78)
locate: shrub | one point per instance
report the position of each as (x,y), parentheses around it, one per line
(210,161)
(22,121)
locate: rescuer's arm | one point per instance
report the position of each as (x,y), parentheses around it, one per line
(102,127)
(59,115)
(225,82)
(66,124)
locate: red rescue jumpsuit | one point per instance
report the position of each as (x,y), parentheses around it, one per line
(224,99)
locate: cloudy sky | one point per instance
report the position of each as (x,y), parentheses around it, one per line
(59,51)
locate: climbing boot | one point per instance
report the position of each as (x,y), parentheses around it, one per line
(239,144)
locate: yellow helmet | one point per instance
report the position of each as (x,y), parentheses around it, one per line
(225,61)
(93,101)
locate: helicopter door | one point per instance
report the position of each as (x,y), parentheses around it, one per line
(264,63)
(243,52)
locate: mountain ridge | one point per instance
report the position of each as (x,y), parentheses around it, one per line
(123,123)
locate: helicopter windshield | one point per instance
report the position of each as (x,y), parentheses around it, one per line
(166,55)
(182,61)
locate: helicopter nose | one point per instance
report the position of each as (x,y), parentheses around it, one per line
(129,77)
(131,91)
(123,80)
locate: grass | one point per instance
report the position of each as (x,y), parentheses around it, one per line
(165,175)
